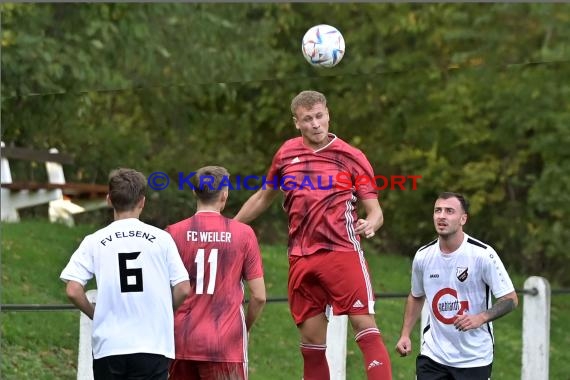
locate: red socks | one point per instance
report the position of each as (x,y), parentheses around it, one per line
(376,358)
(315,366)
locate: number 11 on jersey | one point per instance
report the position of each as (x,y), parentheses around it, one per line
(213,261)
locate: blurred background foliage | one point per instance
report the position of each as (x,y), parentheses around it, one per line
(474,98)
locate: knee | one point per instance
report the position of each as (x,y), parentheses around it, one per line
(362,322)
(313,339)
(313,335)
(314,331)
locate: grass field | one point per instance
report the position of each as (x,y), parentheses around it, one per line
(43,345)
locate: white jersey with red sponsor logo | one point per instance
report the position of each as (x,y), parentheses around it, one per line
(457,283)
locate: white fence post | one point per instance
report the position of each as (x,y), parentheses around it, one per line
(536,330)
(336,346)
(85,356)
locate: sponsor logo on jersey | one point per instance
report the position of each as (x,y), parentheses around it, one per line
(434,275)
(446,306)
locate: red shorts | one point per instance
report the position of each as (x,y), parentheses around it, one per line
(201,370)
(339,279)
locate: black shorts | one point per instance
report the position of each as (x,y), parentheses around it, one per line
(427,369)
(139,366)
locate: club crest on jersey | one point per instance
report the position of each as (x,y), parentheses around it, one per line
(462,273)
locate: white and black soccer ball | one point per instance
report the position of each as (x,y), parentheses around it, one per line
(323,46)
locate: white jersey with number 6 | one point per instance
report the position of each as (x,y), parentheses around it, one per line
(135,265)
(458,283)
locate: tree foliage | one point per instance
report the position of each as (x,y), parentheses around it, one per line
(472,97)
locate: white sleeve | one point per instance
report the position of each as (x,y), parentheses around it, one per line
(495,275)
(176,269)
(417,278)
(80,266)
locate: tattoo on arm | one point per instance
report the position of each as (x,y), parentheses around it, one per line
(500,308)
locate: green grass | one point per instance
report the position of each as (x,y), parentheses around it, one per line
(43,345)
(38,345)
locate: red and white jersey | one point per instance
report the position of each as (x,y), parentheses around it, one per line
(219,253)
(135,265)
(453,284)
(320,194)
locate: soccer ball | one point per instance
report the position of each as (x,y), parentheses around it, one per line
(323,46)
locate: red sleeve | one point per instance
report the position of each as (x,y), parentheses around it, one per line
(366,189)
(253,266)
(274,171)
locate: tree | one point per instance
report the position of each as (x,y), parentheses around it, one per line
(472,97)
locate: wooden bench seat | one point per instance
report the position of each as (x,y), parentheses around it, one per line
(71,189)
(65,198)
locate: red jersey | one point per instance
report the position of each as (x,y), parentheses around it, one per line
(218,253)
(321,192)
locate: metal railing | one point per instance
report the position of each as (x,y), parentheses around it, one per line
(63,307)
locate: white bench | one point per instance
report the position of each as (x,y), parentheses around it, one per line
(65,199)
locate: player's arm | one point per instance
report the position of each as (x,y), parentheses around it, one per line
(256,204)
(257,301)
(179,293)
(412,313)
(495,275)
(502,306)
(374,218)
(76,294)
